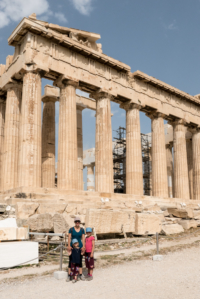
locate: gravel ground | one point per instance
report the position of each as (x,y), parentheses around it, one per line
(177,276)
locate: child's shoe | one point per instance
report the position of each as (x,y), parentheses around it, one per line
(89,277)
(74,280)
(68,278)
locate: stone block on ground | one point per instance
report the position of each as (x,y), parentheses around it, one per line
(157,257)
(51,208)
(8,233)
(41,223)
(25,210)
(60,275)
(59,223)
(181,213)
(187,224)
(197,214)
(22,233)
(110,221)
(170,229)
(147,224)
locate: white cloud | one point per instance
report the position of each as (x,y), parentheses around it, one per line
(61,17)
(83,6)
(171,26)
(15,10)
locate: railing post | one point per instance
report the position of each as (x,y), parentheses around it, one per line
(61,256)
(157,243)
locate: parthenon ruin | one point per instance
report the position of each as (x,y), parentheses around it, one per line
(72,59)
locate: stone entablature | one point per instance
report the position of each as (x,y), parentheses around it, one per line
(154,95)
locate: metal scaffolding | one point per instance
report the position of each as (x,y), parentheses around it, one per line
(146,163)
(119,162)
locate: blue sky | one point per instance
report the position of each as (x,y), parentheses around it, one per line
(158,37)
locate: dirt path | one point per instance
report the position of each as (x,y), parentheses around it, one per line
(177,277)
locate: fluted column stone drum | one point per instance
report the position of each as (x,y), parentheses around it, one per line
(79,110)
(90,177)
(48,142)
(2,126)
(134,172)
(181,182)
(67,174)
(29,164)
(190,165)
(170,174)
(11,139)
(159,164)
(103,148)
(196,163)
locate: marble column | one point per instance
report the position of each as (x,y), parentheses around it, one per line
(79,110)
(103,148)
(134,171)
(90,177)
(67,138)
(159,164)
(181,182)
(48,142)
(2,125)
(190,165)
(196,163)
(29,164)
(170,174)
(11,133)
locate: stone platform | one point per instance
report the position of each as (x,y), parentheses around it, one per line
(46,209)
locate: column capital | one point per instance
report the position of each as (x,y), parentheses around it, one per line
(12,85)
(169,145)
(46,99)
(194,130)
(98,95)
(178,122)
(155,114)
(130,106)
(80,107)
(64,81)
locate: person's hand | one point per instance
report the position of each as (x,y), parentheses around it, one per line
(69,248)
(82,250)
(91,255)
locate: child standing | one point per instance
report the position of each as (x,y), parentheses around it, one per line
(75,260)
(89,252)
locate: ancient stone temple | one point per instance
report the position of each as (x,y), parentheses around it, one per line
(73,59)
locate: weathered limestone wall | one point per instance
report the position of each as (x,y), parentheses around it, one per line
(29,162)
(11,140)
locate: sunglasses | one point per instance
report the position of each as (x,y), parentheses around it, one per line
(77,221)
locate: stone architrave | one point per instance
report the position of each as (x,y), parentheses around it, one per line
(134,171)
(48,142)
(90,177)
(196,163)
(79,110)
(159,164)
(2,125)
(29,164)
(103,148)
(67,174)
(190,165)
(11,139)
(169,169)
(181,182)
